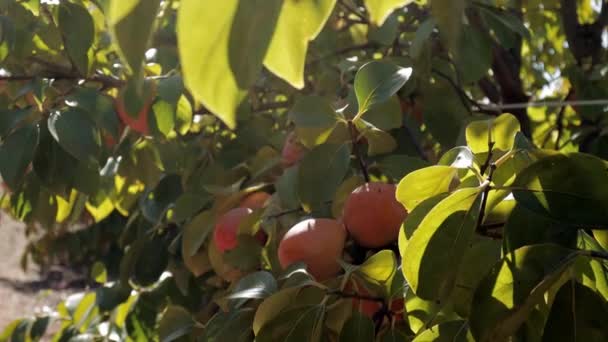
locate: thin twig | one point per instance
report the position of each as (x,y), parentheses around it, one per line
(466,101)
(107,81)
(353,11)
(484,201)
(560,121)
(343,51)
(358,156)
(415,142)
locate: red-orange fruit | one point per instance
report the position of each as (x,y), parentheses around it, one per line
(255,200)
(316,242)
(137,123)
(292,152)
(365,306)
(227,228)
(372,214)
(109,140)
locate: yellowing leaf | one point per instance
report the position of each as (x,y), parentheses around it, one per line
(379,10)
(101,211)
(424,183)
(64,208)
(299,22)
(222,45)
(131,23)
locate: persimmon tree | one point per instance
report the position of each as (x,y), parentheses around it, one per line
(299,170)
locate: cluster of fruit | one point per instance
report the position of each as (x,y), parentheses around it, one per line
(371,216)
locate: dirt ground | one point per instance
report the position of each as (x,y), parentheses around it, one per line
(21,293)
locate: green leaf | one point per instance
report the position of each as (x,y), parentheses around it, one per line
(379,10)
(380,268)
(229,326)
(298,23)
(196,232)
(287,187)
(301,324)
(99,272)
(415,217)
(257,285)
(152,258)
(320,173)
(164,116)
(444,112)
(396,334)
(423,35)
(174,323)
(77,134)
(459,157)
(10,118)
(386,115)
(188,205)
(78,31)
(386,33)
(218,33)
(448,15)
(524,227)
(131,23)
(425,183)
(16,154)
(572,189)
(86,311)
(358,328)
(314,118)
(509,293)
(183,115)
(479,259)
(506,25)
(577,314)
(500,131)
(396,166)
(7,41)
(602,238)
(246,256)
(421,314)
(378,141)
(434,254)
(170,89)
(377,81)
(454,331)
(155,202)
(272,306)
(474,57)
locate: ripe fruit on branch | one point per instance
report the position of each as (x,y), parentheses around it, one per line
(109,140)
(226,230)
(292,152)
(369,307)
(134,109)
(255,200)
(316,242)
(372,214)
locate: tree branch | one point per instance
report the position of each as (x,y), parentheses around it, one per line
(560,121)
(106,81)
(353,11)
(358,156)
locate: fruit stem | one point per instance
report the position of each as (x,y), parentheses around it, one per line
(358,156)
(484,199)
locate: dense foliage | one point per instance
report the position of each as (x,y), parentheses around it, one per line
(299,170)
